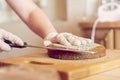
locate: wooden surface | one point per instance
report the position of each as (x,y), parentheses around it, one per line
(71,69)
(108,75)
(101,25)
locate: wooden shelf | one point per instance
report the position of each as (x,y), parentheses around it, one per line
(106,32)
(104,25)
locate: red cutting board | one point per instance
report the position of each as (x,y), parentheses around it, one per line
(70,69)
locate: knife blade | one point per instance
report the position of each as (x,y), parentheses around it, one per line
(45,47)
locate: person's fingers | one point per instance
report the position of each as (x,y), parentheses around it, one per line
(4,46)
(73,40)
(88,40)
(51,37)
(69,39)
(62,40)
(47,43)
(14,39)
(85,39)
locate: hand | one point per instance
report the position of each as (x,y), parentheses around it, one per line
(4,35)
(66,39)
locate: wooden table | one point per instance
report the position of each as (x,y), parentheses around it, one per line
(108,75)
(70,69)
(107,33)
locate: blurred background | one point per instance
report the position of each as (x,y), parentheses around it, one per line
(66,16)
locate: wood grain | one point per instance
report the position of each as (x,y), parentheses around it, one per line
(70,69)
(101,25)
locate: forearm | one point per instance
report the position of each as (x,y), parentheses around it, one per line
(39,23)
(33,16)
